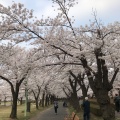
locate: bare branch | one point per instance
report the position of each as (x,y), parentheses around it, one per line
(114,76)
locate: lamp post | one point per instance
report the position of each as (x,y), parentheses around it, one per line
(26,98)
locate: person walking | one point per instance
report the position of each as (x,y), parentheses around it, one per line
(55,106)
(86,107)
(117,102)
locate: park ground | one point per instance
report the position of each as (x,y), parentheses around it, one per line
(63,112)
(46,113)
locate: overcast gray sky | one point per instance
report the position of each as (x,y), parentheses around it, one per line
(107,10)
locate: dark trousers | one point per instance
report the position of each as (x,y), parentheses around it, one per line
(117,106)
(86,116)
(55,108)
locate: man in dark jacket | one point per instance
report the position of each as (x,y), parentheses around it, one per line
(117,102)
(55,106)
(86,106)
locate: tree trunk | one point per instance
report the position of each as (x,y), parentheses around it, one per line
(52,98)
(13,114)
(74,97)
(40,102)
(84,91)
(21,101)
(75,102)
(48,99)
(36,102)
(43,99)
(28,106)
(108,110)
(5,102)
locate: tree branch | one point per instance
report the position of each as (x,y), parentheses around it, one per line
(62,63)
(114,76)
(7,80)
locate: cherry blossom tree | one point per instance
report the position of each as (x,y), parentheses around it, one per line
(80,79)
(14,70)
(35,86)
(94,47)
(94,41)
(5,92)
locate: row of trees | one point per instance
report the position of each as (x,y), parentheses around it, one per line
(64,57)
(17,69)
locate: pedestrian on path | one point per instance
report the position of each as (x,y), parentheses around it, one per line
(86,107)
(55,106)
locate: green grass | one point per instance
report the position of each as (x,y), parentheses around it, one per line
(5,112)
(95,106)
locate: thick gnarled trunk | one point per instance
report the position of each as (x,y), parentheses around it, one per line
(74,98)
(15,98)
(100,84)
(75,102)
(108,110)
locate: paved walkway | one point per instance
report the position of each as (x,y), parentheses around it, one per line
(49,114)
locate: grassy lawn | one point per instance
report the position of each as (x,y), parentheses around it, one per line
(5,112)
